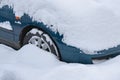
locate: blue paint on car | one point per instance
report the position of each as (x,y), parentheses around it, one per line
(67,53)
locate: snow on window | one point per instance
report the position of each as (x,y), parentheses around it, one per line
(6,25)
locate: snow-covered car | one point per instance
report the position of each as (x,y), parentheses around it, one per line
(75,31)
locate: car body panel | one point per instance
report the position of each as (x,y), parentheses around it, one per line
(68,53)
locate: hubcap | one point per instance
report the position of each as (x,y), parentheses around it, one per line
(39,42)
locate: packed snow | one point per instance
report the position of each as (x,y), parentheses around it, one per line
(90,25)
(32,63)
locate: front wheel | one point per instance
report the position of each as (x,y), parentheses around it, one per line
(42,40)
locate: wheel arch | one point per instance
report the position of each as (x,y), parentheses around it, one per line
(24,32)
(28,28)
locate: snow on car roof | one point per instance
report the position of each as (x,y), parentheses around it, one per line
(90,25)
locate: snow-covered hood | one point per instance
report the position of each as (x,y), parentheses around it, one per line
(90,25)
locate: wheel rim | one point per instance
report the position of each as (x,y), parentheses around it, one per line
(39,42)
(42,40)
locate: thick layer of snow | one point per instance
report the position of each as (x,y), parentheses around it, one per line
(90,25)
(6,25)
(31,63)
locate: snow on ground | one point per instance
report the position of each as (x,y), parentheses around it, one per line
(32,63)
(90,25)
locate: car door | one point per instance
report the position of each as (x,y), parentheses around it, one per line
(6,19)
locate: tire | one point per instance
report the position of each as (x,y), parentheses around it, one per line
(42,40)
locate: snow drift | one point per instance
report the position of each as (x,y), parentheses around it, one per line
(32,63)
(90,25)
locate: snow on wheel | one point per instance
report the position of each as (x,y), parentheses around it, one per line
(42,40)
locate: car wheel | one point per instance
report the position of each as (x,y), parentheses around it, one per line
(42,40)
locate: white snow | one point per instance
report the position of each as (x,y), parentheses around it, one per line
(90,25)
(31,63)
(6,25)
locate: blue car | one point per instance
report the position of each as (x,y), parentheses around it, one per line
(18,31)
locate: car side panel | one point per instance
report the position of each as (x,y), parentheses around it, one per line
(68,53)
(6,14)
